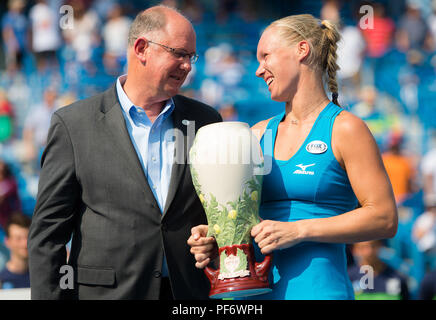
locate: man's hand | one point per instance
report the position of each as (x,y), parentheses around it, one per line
(203,248)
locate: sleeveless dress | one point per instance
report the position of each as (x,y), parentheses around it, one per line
(311,184)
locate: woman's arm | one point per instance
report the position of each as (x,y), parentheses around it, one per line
(357,152)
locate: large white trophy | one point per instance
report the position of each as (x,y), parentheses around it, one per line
(227,169)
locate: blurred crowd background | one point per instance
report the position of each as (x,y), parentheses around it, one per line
(50,57)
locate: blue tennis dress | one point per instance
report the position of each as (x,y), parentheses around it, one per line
(311,184)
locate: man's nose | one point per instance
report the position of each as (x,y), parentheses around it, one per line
(186,64)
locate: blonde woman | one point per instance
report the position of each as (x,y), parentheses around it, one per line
(325,163)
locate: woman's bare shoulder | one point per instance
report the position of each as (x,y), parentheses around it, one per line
(347,124)
(259,128)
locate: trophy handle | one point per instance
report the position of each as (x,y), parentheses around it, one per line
(211,274)
(262,268)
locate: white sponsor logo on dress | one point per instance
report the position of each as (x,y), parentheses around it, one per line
(316,147)
(302,169)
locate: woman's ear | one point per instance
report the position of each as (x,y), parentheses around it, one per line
(303,49)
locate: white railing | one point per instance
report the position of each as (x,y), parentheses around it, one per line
(15,294)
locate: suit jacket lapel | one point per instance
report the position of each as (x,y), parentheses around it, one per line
(114,124)
(181,149)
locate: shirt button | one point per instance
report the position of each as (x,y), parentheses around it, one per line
(157,274)
(154,187)
(154,159)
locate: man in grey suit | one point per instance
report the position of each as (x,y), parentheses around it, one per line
(115,177)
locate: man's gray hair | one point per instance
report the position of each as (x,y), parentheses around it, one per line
(149,20)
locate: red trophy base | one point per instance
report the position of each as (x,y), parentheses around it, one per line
(253,284)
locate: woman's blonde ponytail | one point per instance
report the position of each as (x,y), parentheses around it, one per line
(331,38)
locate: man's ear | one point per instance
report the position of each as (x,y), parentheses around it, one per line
(140,47)
(303,50)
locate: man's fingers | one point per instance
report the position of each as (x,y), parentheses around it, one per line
(202,264)
(199,231)
(202,249)
(200,241)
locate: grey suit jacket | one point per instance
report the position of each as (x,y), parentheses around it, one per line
(92,187)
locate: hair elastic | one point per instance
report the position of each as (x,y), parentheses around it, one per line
(321,24)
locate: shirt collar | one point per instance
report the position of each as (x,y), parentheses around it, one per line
(127,104)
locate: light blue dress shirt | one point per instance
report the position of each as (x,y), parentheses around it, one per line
(155,148)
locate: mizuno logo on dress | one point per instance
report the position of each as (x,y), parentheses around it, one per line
(302,169)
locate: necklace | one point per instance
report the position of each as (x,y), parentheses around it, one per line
(296,122)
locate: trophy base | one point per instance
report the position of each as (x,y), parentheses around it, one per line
(255,282)
(238,287)
(240,293)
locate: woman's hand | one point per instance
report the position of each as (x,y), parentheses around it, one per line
(203,248)
(272,235)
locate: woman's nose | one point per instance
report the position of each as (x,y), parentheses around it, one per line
(260,70)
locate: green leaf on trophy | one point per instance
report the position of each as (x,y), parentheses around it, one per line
(243,263)
(232,224)
(227,225)
(213,215)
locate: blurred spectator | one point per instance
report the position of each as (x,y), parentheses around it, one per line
(170,3)
(9,200)
(428,168)
(37,125)
(228,112)
(379,37)
(424,228)
(115,34)
(366,109)
(223,64)
(225,72)
(85,36)
(330,11)
(369,109)
(45,35)
(15,32)
(386,284)
(16,272)
(413,26)
(193,9)
(431,22)
(103,7)
(427,288)
(399,167)
(351,50)
(6,117)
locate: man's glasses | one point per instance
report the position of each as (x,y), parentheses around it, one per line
(179,53)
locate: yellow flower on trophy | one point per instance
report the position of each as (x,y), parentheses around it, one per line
(232,214)
(217,229)
(254,196)
(201,198)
